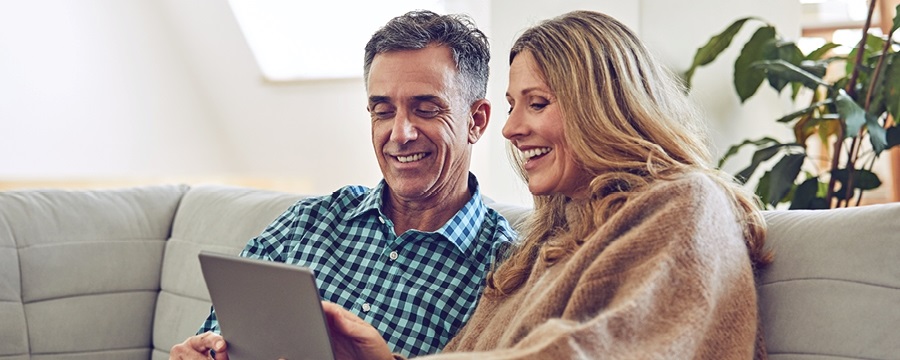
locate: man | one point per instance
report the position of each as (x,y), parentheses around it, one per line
(410,255)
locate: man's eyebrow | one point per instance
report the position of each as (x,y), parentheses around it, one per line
(431,98)
(374,99)
(378,99)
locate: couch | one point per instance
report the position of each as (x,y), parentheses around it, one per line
(113,273)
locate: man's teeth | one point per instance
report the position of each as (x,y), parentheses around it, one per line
(411,158)
(530,153)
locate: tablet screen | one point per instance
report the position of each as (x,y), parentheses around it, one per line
(266,309)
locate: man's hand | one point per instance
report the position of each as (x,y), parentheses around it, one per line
(352,337)
(199,346)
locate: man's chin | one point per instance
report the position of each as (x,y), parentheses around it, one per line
(409,190)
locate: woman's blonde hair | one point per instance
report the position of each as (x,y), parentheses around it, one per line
(628,121)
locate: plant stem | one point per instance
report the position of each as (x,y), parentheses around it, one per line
(851,86)
(851,91)
(834,165)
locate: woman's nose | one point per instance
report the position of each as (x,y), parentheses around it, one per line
(514,126)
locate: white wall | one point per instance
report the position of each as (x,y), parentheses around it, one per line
(153,88)
(96,88)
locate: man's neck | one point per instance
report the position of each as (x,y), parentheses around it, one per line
(425,214)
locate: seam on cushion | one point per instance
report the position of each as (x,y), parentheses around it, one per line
(830,279)
(184,189)
(100,351)
(21,284)
(821,355)
(183,296)
(92,294)
(76,241)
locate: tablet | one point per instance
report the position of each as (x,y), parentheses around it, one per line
(266,309)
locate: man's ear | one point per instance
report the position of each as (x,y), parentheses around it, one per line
(478,122)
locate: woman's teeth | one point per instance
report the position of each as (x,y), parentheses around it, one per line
(530,153)
(411,158)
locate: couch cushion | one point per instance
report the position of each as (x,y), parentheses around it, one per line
(833,290)
(216,218)
(87,264)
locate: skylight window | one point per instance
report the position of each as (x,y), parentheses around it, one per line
(299,40)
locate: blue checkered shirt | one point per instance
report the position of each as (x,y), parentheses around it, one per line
(417,289)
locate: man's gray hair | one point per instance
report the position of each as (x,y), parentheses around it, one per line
(420,28)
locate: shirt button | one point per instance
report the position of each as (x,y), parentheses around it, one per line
(394,255)
(381,219)
(366,307)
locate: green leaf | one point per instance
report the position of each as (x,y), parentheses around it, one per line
(747,78)
(735,148)
(878,103)
(713,48)
(862,179)
(872,49)
(806,194)
(854,116)
(817,68)
(893,136)
(896,20)
(758,157)
(877,134)
(783,175)
(801,112)
(762,190)
(891,88)
(817,54)
(790,53)
(791,72)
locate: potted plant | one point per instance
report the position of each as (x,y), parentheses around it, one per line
(853,116)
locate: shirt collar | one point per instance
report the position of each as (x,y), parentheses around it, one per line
(462,229)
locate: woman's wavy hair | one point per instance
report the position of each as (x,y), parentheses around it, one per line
(629,123)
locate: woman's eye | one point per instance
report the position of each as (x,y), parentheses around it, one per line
(538,106)
(509,112)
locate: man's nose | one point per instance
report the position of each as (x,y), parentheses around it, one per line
(404,130)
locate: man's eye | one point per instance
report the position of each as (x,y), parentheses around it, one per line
(383,114)
(427,113)
(382,111)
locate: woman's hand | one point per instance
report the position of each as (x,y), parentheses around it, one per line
(352,337)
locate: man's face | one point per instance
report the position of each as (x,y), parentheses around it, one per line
(422,129)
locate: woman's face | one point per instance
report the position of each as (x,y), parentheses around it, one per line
(535,127)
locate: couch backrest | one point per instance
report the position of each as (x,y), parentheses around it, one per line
(833,290)
(79,271)
(215,218)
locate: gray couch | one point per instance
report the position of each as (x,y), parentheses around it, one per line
(113,274)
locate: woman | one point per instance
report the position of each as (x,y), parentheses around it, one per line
(637,248)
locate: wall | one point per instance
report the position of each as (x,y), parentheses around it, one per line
(96,88)
(168,88)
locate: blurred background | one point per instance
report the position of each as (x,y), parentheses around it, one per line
(269,94)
